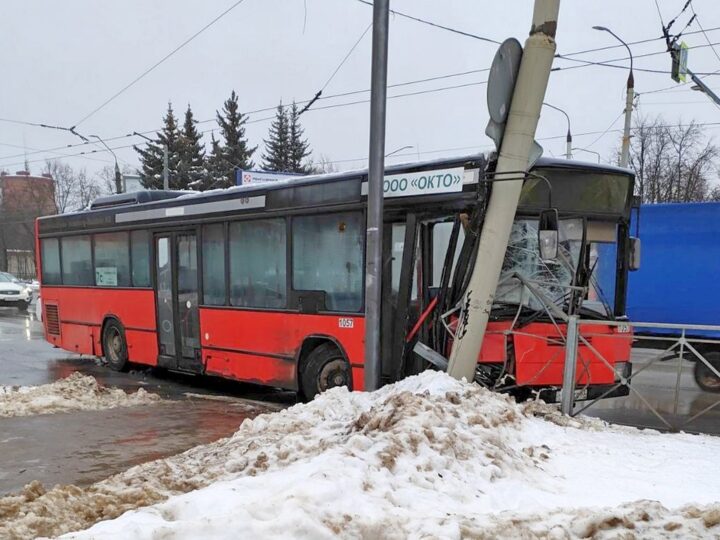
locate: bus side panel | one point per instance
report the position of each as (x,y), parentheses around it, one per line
(262,346)
(82,311)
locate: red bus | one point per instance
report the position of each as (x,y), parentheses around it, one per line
(264,283)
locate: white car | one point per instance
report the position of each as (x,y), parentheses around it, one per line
(14,293)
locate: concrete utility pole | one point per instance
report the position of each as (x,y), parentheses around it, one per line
(629,97)
(166,167)
(514,155)
(376,172)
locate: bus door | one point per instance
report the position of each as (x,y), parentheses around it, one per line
(399,291)
(176,295)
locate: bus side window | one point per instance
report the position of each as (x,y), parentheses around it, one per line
(112,260)
(77,261)
(440,240)
(258,266)
(213,264)
(328,256)
(50,261)
(140,255)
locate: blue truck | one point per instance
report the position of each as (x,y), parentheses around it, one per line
(679,278)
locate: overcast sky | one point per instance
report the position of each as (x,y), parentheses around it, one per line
(62,59)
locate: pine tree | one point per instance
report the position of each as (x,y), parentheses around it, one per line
(298,147)
(277,145)
(191,163)
(236,152)
(217,170)
(151,156)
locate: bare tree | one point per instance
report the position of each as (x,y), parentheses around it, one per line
(673,163)
(66,182)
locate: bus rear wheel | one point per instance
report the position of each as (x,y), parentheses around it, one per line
(324,368)
(704,376)
(115,346)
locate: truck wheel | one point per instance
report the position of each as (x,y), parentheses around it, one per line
(115,346)
(704,377)
(324,368)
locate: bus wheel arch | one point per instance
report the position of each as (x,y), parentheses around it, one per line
(113,342)
(322,364)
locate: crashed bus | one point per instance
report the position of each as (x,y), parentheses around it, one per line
(265,283)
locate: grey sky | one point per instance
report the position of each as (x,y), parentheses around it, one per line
(61,59)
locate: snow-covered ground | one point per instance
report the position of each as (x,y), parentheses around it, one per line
(428,457)
(74,393)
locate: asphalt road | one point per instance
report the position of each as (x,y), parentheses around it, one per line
(664,396)
(85,446)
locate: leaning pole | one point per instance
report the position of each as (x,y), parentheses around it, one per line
(517,142)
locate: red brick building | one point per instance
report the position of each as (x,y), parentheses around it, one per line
(22,199)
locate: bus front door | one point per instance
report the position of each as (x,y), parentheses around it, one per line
(176,296)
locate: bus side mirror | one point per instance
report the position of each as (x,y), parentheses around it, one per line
(548,234)
(634,254)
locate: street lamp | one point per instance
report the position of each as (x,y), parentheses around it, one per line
(399,150)
(118,174)
(568,139)
(630,95)
(589,151)
(166,160)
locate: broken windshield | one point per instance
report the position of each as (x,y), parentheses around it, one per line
(552,279)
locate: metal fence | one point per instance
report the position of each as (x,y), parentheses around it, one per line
(662,392)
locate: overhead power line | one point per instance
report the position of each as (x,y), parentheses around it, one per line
(155,65)
(436,25)
(340,65)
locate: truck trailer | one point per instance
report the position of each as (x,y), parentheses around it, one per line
(679,278)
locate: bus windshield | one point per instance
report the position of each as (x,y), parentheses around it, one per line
(529,281)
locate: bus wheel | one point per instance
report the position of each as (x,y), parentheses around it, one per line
(706,379)
(324,368)
(115,346)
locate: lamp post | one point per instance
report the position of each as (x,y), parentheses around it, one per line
(166,159)
(568,139)
(118,174)
(629,96)
(589,151)
(399,150)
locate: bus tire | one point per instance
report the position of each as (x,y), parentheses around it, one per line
(115,345)
(704,377)
(324,368)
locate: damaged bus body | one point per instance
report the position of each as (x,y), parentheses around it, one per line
(264,283)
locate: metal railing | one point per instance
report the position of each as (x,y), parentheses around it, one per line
(680,344)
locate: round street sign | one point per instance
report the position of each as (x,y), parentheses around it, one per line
(501,82)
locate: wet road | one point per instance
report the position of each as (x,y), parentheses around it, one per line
(85,446)
(680,403)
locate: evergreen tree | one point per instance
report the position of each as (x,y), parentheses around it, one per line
(298,147)
(217,169)
(191,163)
(151,156)
(277,145)
(236,152)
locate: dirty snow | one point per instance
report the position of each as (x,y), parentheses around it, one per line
(74,393)
(426,457)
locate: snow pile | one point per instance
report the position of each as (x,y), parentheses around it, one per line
(426,457)
(76,392)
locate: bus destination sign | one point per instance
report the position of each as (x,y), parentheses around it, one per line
(424,182)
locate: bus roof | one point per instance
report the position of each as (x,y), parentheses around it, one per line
(145,206)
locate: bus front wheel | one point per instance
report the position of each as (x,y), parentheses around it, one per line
(704,376)
(324,368)
(115,346)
